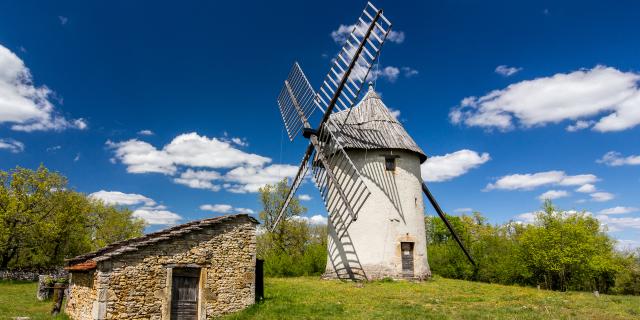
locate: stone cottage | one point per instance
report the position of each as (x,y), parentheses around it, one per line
(196,270)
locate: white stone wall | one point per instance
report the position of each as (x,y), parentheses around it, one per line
(394,213)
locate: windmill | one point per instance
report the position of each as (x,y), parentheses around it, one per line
(364,163)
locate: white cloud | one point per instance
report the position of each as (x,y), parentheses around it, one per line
(219,208)
(304,197)
(619,210)
(77,157)
(142,157)
(396,36)
(527,217)
(145,132)
(451,165)
(148,209)
(54,148)
(530,181)
(586,188)
(530,217)
(250,179)
(225,208)
(201,179)
(240,141)
(244,210)
(617,224)
(507,71)
(579,95)
(553,194)
(157,216)
(463,210)
(615,159)
(409,72)
(601,196)
(341,34)
(580,179)
(579,125)
(246,171)
(24,105)
(395,113)
(389,73)
(120,198)
(63,20)
(314,220)
(624,244)
(189,149)
(11,145)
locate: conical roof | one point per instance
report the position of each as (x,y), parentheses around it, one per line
(370,125)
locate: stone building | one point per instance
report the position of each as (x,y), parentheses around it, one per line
(388,238)
(196,270)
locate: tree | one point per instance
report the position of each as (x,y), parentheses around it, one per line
(110,224)
(568,250)
(560,250)
(287,233)
(42,221)
(295,247)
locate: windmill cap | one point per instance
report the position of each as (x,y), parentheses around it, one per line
(370,125)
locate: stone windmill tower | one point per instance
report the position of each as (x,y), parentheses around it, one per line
(388,240)
(364,163)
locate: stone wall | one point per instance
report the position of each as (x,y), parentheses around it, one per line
(138,284)
(82,295)
(31,274)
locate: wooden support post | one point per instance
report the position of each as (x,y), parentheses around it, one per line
(58,296)
(436,206)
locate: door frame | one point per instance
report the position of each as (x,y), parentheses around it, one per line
(166,309)
(413,259)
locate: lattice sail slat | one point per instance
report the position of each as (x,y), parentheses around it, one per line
(361,49)
(348,178)
(303,93)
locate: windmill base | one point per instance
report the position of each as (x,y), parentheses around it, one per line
(372,274)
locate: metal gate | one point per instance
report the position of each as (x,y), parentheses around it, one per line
(407,259)
(184,293)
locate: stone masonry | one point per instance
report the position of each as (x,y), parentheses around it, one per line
(132,280)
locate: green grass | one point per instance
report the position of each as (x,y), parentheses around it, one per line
(18,299)
(311,298)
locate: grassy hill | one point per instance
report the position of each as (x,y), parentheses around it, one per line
(311,298)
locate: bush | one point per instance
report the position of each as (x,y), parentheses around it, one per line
(560,250)
(628,278)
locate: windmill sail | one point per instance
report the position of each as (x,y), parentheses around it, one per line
(302,172)
(341,87)
(297,87)
(341,185)
(343,208)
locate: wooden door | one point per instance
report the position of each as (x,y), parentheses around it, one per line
(184,293)
(407,259)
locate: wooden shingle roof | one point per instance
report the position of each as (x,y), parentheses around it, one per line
(370,125)
(88,261)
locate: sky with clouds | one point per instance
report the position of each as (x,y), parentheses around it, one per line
(170,109)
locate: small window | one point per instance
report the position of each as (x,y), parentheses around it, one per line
(390,163)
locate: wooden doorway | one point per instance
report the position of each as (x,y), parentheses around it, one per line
(184,293)
(407,259)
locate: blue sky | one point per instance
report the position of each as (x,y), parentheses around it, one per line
(171,108)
